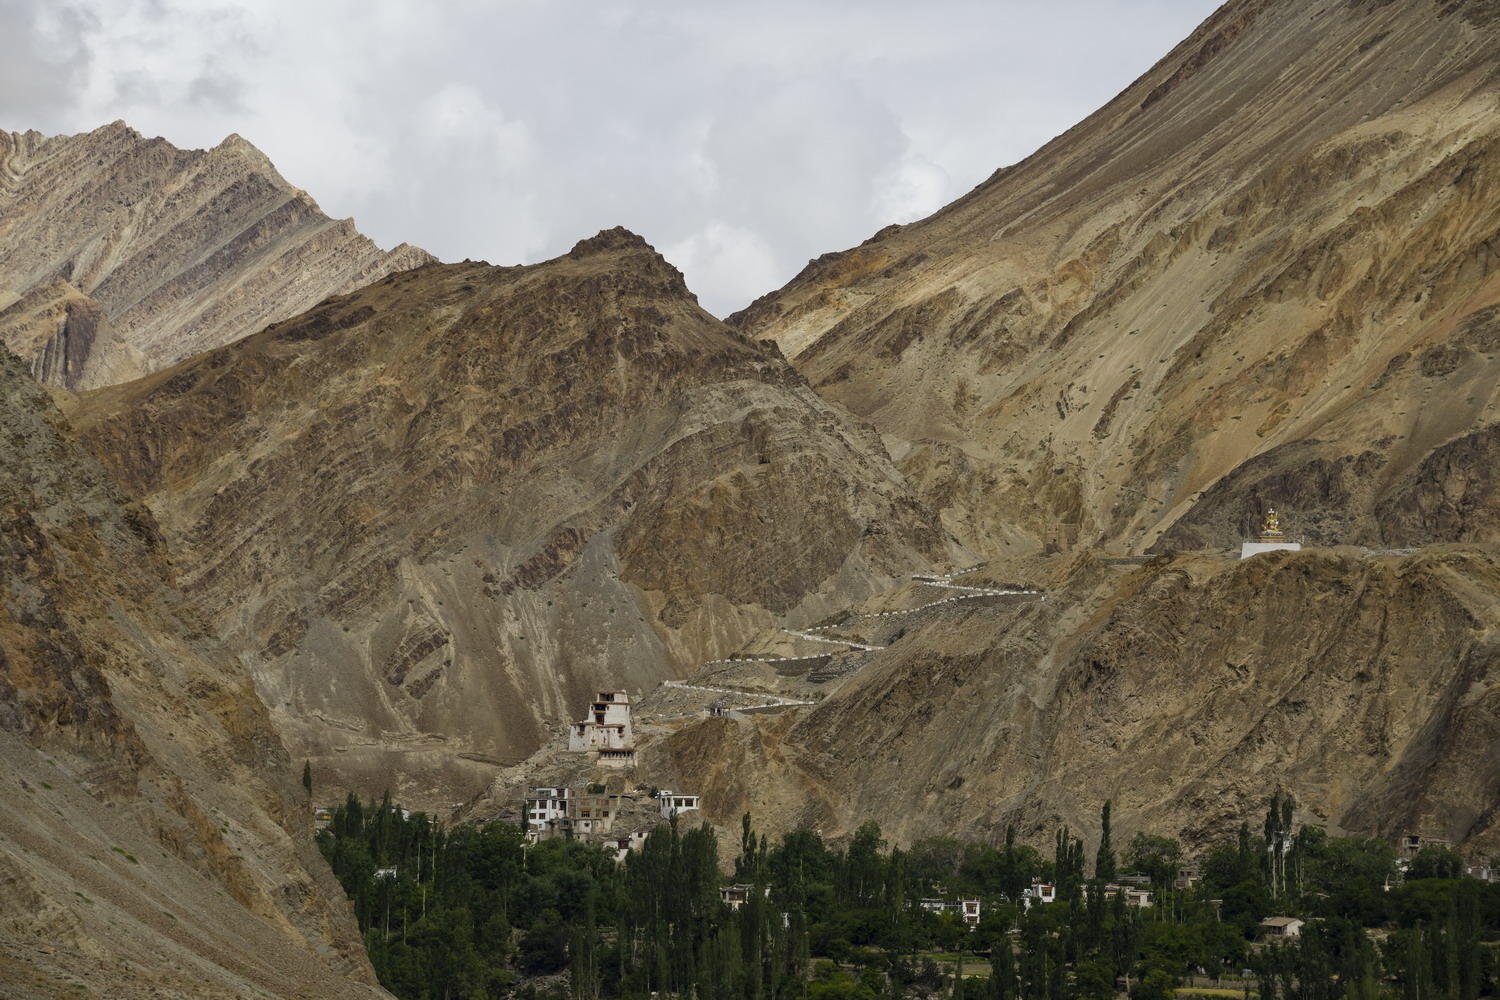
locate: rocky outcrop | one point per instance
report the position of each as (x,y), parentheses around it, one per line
(153,841)
(1265,274)
(67,337)
(1186,691)
(120,255)
(437,513)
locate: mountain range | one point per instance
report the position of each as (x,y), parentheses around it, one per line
(275,496)
(120,255)
(436,514)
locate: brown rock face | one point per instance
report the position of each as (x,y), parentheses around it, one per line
(172,251)
(153,841)
(1263,275)
(1186,692)
(436,513)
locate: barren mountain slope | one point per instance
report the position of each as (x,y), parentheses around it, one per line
(120,255)
(153,841)
(438,512)
(1268,270)
(1185,691)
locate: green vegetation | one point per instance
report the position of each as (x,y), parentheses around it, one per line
(476,912)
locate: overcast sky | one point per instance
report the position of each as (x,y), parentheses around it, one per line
(740,137)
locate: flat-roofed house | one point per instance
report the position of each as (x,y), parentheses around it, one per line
(735,896)
(1284,927)
(1039,892)
(544,804)
(673,803)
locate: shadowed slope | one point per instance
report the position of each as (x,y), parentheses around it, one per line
(152,840)
(1186,692)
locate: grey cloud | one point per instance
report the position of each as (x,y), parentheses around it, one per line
(43,63)
(741,138)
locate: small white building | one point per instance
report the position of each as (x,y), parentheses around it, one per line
(1136,896)
(1039,892)
(673,803)
(624,845)
(735,896)
(1284,927)
(545,803)
(967,909)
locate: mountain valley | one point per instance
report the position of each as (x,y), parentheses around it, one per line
(942,535)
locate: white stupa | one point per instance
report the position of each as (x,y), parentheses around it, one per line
(1270,539)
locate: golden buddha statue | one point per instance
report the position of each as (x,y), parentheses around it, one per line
(1272,528)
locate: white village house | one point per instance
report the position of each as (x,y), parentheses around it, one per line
(1039,892)
(673,803)
(735,896)
(1286,927)
(546,803)
(967,909)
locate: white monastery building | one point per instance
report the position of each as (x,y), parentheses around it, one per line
(606,730)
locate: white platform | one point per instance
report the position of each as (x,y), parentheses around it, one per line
(1256,548)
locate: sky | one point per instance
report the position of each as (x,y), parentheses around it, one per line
(740,137)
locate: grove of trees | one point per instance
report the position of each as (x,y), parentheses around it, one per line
(477,912)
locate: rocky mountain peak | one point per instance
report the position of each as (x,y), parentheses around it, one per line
(1216,289)
(180,250)
(641,256)
(608,240)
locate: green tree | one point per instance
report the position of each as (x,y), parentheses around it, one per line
(1003,984)
(1278,841)
(1433,861)
(1094,980)
(1104,860)
(1154,985)
(1159,857)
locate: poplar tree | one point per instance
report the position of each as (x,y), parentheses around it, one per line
(1104,861)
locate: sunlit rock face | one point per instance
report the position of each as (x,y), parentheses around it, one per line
(120,254)
(1264,275)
